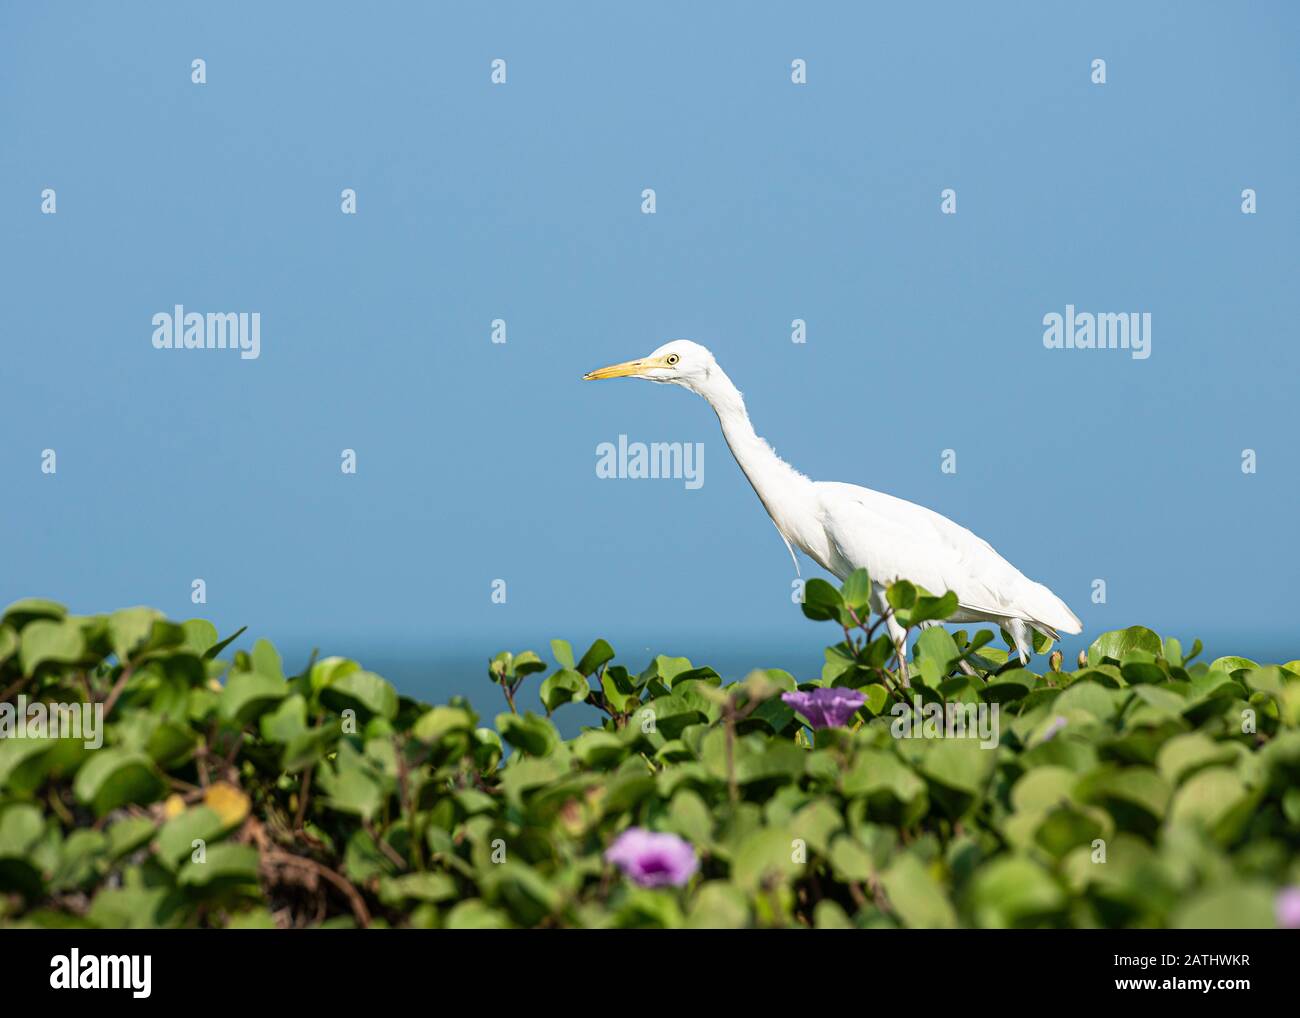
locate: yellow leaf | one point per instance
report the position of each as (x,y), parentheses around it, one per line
(227,801)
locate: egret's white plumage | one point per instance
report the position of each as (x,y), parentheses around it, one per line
(844,527)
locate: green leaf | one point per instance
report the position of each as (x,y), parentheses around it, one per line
(1066,826)
(200,635)
(830,915)
(668,668)
(775,713)
(431,887)
(1041,788)
(475,914)
(857,592)
(821,601)
(563,653)
(1139,666)
(599,749)
(22,612)
(130,907)
(129,834)
(1142,787)
(565,686)
(529,734)
(618,689)
(364,692)
(937,654)
(1236,905)
(1185,754)
(1087,701)
(916,896)
(526,663)
(9,642)
(1007,688)
(224,864)
(129,628)
(177,836)
(1216,799)
(114,777)
(247,695)
(1117,643)
(47,640)
(598,653)
(674,712)
(352,785)
(718,906)
(1231,664)
(689,817)
(1161,701)
(766,856)
(901,596)
(1014,891)
(20,763)
(287,721)
(929,609)
(816,823)
(79,856)
(266,659)
(329,670)
(20,826)
(252,919)
(217,648)
(850,861)
(958,763)
(876,771)
(435,724)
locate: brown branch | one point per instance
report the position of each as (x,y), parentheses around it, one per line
(15,688)
(280,857)
(301,817)
(384,846)
(229,763)
(118,686)
(729,722)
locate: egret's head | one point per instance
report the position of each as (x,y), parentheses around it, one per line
(680,362)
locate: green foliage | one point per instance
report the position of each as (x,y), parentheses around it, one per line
(1141,789)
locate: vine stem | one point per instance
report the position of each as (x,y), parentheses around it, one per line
(117,689)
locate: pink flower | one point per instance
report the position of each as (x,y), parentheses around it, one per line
(1288,908)
(1054,728)
(652,859)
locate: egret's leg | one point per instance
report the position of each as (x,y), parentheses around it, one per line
(897,634)
(1023,639)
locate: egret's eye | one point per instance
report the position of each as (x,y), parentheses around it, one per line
(671,359)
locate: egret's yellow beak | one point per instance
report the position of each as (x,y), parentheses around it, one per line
(624,370)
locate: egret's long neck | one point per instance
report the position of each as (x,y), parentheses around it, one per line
(786,494)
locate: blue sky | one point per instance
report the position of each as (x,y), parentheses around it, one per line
(522,202)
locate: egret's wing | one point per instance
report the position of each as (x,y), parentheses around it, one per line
(898,540)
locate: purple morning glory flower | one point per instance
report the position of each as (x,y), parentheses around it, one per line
(652,859)
(826,708)
(1288,908)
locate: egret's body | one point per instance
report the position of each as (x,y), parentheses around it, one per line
(843,527)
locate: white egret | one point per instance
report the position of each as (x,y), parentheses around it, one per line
(843,527)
